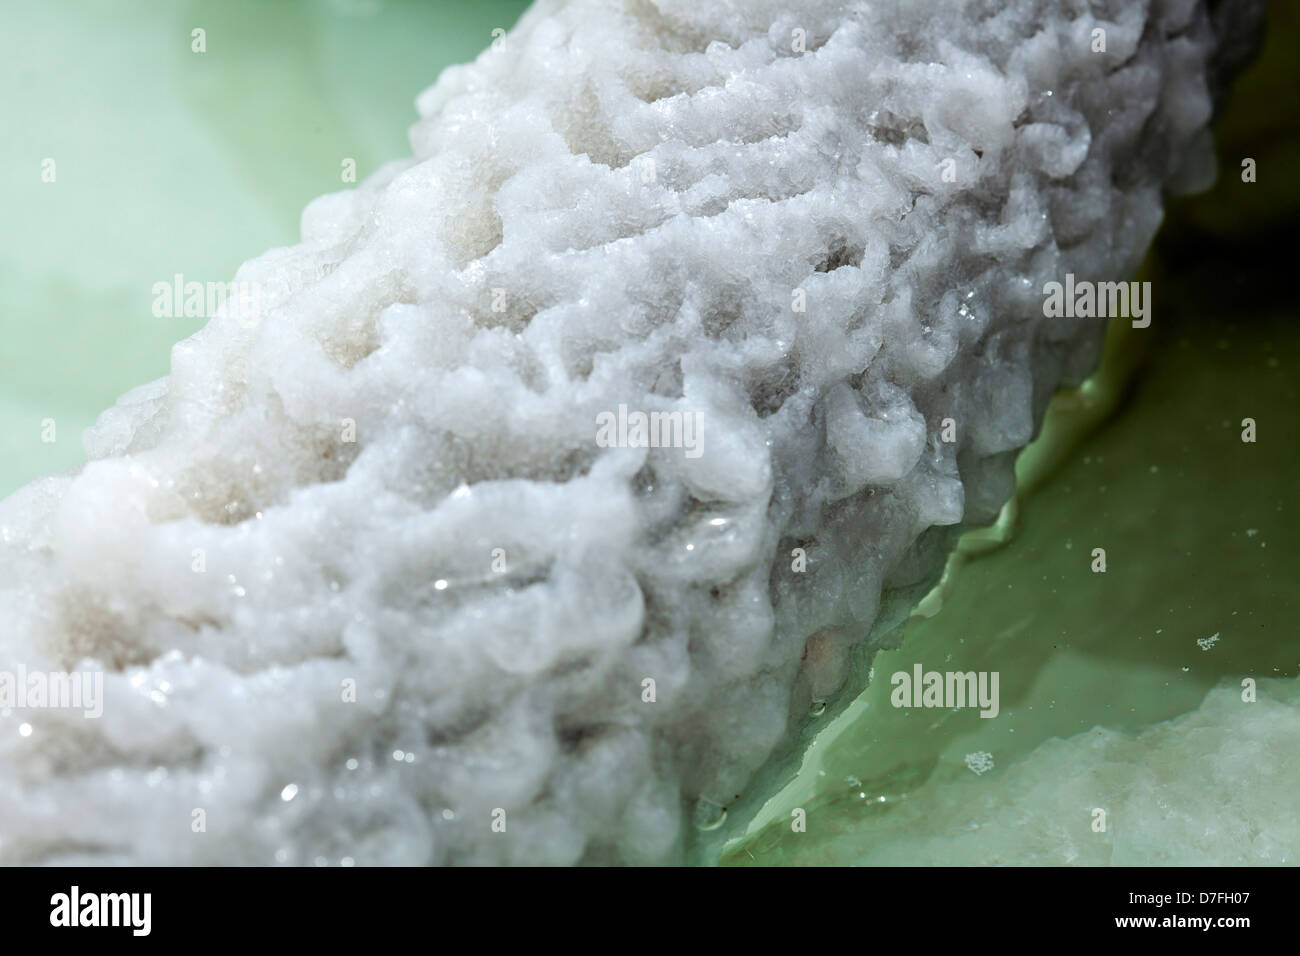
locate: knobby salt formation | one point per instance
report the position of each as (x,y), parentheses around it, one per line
(813,231)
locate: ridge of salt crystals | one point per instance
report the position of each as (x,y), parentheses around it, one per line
(638,188)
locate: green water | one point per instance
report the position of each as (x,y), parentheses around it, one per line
(170,161)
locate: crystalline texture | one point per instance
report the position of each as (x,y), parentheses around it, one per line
(820,229)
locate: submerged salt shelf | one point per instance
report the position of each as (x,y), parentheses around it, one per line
(366,581)
(1212,787)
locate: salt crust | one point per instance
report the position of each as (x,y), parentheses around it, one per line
(621,206)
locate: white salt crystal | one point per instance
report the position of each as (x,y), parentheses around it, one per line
(817,255)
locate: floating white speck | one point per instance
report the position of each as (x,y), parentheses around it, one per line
(980,762)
